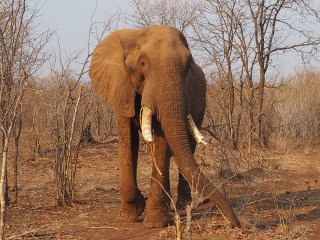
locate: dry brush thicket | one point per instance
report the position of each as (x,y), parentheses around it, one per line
(297,112)
(21,55)
(58,107)
(236,42)
(291,111)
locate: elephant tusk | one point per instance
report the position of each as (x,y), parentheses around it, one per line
(146,124)
(195,132)
(146,129)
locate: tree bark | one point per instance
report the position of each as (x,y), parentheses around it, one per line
(3,186)
(16,157)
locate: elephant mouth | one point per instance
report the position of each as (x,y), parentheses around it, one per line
(146,126)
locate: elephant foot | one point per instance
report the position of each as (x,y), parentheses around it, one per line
(157,219)
(183,201)
(133,209)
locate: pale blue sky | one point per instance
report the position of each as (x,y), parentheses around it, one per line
(71,19)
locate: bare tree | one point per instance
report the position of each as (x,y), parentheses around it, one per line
(276,24)
(69,123)
(180,14)
(72,103)
(21,56)
(68,96)
(239,41)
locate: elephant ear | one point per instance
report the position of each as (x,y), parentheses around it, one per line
(109,76)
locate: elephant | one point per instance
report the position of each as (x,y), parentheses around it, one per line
(151,81)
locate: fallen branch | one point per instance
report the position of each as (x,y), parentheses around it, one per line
(109,227)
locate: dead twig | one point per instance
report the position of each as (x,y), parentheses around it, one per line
(32,233)
(109,227)
(152,150)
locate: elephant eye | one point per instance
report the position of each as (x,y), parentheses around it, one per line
(140,84)
(142,60)
(189,62)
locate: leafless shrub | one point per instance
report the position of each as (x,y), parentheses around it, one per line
(72,104)
(103,120)
(21,56)
(286,209)
(297,112)
(68,123)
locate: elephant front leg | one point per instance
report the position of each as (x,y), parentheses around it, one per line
(158,205)
(132,201)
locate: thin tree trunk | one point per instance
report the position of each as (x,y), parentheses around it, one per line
(251,125)
(98,131)
(239,117)
(16,156)
(69,160)
(260,106)
(3,186)
(6,177)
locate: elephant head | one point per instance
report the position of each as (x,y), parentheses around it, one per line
(154,63)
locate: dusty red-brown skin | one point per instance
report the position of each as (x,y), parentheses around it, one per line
(153,67)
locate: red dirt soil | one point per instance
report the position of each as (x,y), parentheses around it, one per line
(282,202)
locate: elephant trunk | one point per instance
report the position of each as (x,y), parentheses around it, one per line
(172,114)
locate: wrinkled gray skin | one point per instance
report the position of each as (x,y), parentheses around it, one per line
(153,67)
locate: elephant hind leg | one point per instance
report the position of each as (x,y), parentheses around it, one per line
(132,201)
(131,210)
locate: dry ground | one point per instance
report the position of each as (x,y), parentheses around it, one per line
(280,199)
